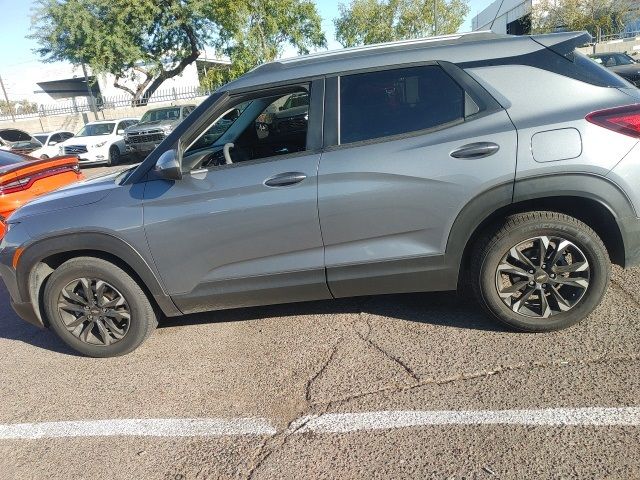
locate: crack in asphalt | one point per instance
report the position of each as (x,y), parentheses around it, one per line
(314,410)
(320,372)
(626,292)
(396,388)
(367,339)
(274,442)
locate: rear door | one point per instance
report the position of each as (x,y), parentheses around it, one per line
(408,148)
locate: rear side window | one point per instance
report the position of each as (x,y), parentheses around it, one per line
(590,71)
(399,101)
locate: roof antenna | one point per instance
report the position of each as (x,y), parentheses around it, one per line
(494,18)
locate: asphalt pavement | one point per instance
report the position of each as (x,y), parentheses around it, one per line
(399,386)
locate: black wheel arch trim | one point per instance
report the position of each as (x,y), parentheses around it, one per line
(578,185)
(106,243)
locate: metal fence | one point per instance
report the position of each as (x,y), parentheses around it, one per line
(619,36)
(83,104)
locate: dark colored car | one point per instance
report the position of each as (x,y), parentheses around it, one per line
(18,141)
(622,64)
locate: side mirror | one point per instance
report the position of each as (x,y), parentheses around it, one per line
(120,132)
(52,143)
(168,166)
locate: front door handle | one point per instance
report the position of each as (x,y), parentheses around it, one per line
(476,150)
(285,179)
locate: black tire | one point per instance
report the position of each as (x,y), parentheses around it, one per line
(490,252)
(114,156)
(142,319)
(44,157)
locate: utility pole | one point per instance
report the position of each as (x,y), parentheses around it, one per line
(435,18)
(92,101)
(9,106)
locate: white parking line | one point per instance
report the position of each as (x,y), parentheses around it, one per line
(353,422)
(327,423)
(153,427)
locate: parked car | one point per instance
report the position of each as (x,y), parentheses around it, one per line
(98,142)
(23,178)
(507,165)
(17,141)
(50,143)
(622,64)
(153,127)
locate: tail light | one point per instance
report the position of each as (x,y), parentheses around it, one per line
(625,120)
(15,185)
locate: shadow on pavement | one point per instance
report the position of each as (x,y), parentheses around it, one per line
(441,308)
(447,309)
(14,328)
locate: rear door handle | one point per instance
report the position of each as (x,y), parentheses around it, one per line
(285,179)
(476,150)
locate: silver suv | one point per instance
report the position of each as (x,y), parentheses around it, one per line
(503,165)
(153,128)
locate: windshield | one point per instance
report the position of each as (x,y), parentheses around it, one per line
(161,114)
(13,135)
(96,129)
(41,138)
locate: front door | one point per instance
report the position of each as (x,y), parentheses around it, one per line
(241,228)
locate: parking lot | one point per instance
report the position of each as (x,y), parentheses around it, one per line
(420,385)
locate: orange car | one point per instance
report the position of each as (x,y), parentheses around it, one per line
(23,178)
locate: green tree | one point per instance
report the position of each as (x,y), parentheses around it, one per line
(149,41)
(598,17)
(257,31)
(364,22)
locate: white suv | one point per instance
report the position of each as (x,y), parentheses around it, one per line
(98,142)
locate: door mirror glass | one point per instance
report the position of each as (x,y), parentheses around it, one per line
(52,143)
(168,166)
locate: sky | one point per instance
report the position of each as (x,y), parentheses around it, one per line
(17,51)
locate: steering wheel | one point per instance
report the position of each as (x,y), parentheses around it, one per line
(225,151)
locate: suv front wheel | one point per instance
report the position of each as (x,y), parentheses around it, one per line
(97,309)
(540,271)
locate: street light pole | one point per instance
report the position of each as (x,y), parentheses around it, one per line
(9,106)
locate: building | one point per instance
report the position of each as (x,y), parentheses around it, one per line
(505,16)
(49,84)
(514,17)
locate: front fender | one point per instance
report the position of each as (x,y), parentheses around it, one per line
(87,243)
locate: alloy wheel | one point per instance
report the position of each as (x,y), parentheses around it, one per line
(94,311)
(543,276)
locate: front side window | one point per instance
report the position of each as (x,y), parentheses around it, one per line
(393,102)
(260,128)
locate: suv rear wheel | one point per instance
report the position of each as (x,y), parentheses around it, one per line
(97,309)
(540,271)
